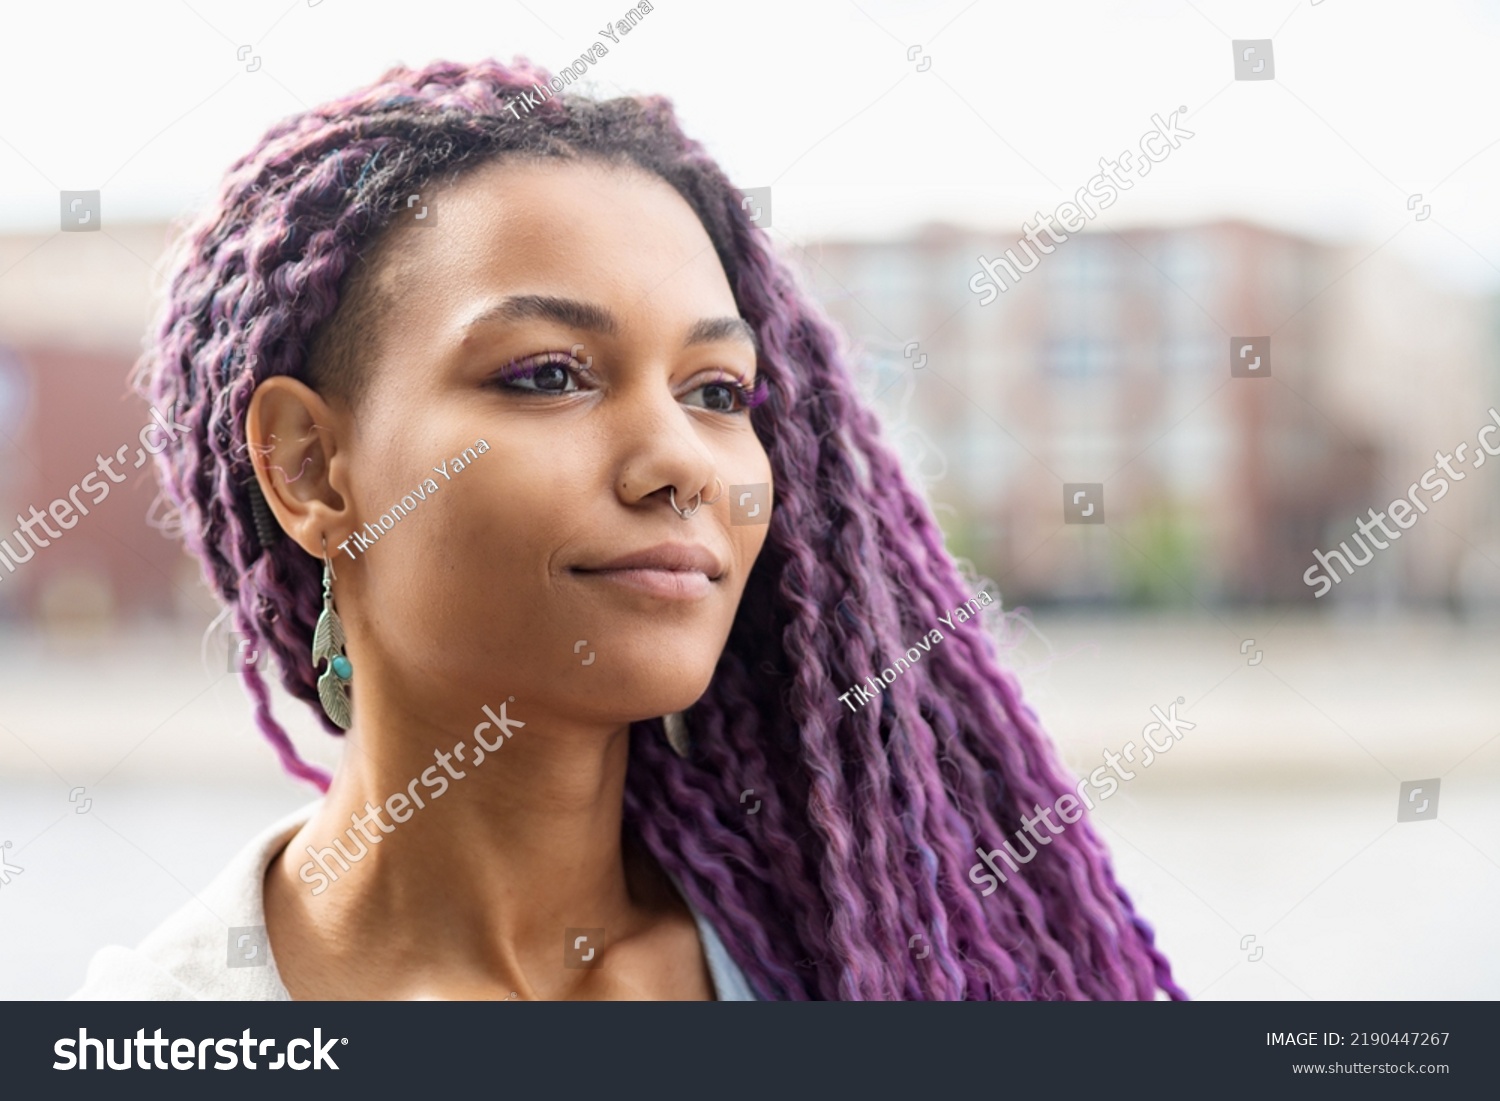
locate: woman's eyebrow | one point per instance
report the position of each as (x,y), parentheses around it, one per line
(565,311)
(586,315)
(714,329)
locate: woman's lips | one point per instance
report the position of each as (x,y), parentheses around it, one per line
(665,584)
(669,571)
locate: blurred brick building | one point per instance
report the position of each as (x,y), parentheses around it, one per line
(74,308)
(1109,363)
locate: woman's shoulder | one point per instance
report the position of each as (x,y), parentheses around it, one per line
(214,947)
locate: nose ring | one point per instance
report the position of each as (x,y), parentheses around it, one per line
(700,502)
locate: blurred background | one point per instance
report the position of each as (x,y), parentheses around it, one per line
(1265,849)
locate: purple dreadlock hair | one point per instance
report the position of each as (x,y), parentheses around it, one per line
(869,819)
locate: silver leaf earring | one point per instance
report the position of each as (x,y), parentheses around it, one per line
(677,733)
(328,643)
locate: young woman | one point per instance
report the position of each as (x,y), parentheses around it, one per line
(517,446)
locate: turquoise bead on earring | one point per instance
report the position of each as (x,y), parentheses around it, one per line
(328,644)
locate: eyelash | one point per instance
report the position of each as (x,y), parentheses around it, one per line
(748,397)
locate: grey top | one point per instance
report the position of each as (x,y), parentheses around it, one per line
(215,949)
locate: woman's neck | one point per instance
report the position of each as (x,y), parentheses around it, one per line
(436,867)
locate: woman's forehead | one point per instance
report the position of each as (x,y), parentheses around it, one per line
(580,230)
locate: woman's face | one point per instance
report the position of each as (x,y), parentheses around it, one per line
(574,317)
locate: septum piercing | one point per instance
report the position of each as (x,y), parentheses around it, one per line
(687,513)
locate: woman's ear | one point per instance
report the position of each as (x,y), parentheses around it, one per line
(298,445)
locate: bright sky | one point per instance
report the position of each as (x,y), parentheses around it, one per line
(1372,102)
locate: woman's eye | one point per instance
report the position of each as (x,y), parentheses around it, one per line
(552,377)
(722,396)
(550,373)
(718,396)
